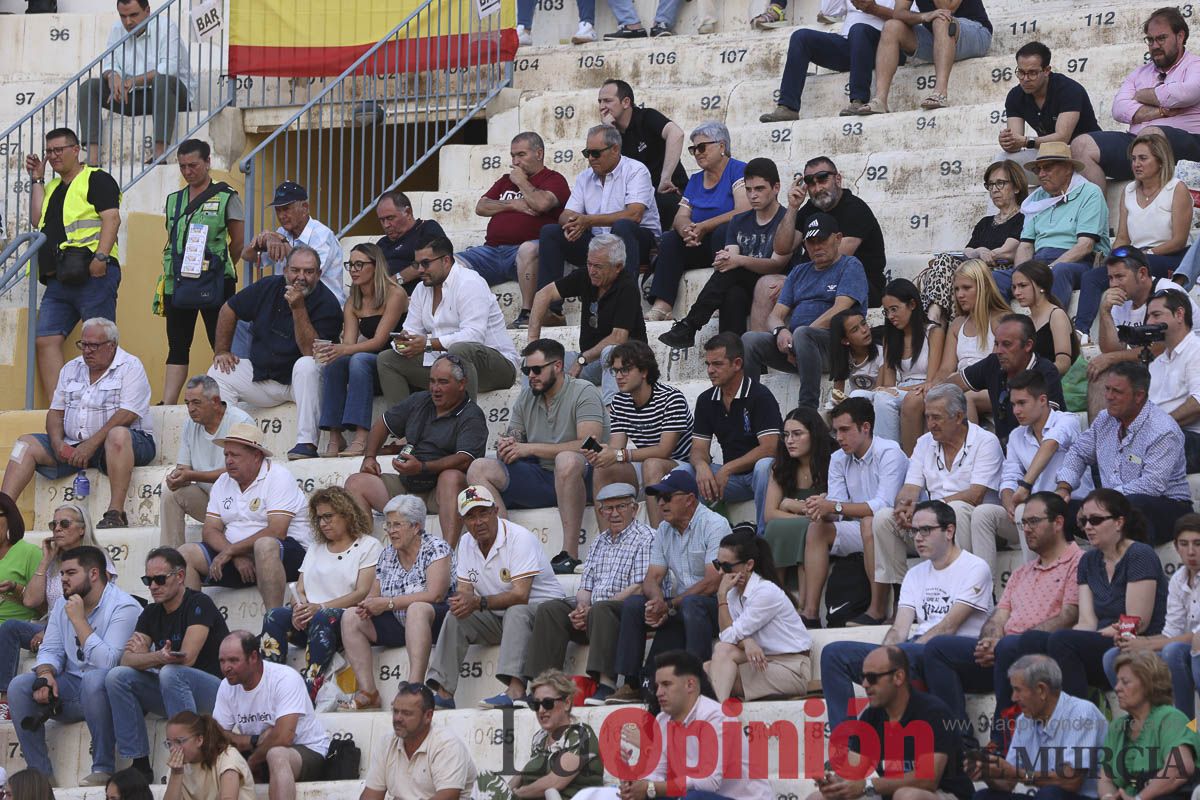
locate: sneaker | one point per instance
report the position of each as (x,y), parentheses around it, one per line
(564,564)
(524,37)
(584,34)
(781,114)
(852,110)
(302,451)
(95,779)
(680,337)
(602,693)
(444,703)
(502,700)
(5,714)
(626,32)
(113,519)
(521,322)
(624,696)
(863,620)
(659,31)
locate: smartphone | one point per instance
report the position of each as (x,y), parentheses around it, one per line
(975,754)
(590,443)
(952,28)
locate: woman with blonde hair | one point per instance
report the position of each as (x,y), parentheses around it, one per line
(204,764)
(337,573)
(565,754)
(972,333)
(350,381)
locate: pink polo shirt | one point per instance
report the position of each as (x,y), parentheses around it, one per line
(1043,591)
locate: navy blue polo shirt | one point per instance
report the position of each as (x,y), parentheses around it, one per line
(753,413)
(273,347)
(987,374)
(1062,94)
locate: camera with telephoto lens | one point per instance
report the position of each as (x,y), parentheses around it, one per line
(46,712)
(1142,335)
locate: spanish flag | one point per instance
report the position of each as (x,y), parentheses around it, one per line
(316,38)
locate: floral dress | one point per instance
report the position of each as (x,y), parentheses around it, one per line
(578,737)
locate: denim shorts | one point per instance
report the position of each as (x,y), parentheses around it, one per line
(530,486)
(974,40)
(1114,149)
(143,453)
(63,307)
(291,553)
(496,264)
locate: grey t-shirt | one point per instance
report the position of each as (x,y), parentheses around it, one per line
(196,448)
(415,419)
(577,401)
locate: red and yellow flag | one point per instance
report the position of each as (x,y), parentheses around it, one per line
(316,38)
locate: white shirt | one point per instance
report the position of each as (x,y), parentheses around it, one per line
(765,613)
(1061,427)
(709,711)
(196,448)
(1126,314)
(159,48)
(842,8)
(279,693)
(87,407)
(328,576)
(1183,604)
(1175,376)
(515,554)
(244,514)
(468,313)
(932,592)
(629,183)
(978,462)
(321,238)
(874,479)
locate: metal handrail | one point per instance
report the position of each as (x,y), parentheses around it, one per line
(384,116)
(126,144)
(25,265)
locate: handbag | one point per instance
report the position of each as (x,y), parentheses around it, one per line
(343,760)
(74,266)
(206,290)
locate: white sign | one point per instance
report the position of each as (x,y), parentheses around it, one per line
(206,20)
(488,7)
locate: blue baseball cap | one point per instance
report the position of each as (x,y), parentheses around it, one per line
(287,193)
(679,480)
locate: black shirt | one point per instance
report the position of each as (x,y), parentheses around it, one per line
(103,193)
(620,308)
(754,412)
(922,708)
(167,630)
(643,141)
(992,236)
(399,252)
(987,374)
(857,220)
(968,9)
(1062,94)
(273,348)
(415,419)
(752,239)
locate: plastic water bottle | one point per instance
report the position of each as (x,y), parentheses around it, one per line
(83,487)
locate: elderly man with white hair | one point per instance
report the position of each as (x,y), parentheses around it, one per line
(956,462)
(99,417)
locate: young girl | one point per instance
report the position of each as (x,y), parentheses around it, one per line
(856,364)
(204,764)
(1055,339)
(972,333)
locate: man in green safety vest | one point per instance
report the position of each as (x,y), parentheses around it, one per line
(80,213)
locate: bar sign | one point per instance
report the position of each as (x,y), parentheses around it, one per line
(206,20)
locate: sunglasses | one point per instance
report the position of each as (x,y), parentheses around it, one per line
(157,580)
(817,177)
(535,369)
(590,153)
(873,678)
(546,704)
(699,147)
(426,263)
(1083,520)
(725,566)
(61,523)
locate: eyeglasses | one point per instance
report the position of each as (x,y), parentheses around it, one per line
(89,347)
(1161,39)
(171,744)
(818,177)
(994,185)
(624,370)
(426,263)
(614,508)
(535,369)
(392,526)
(78,650)
(725,566)
(158,580)
(546,704)
(58,151)
(1094,520)
(357,266)
(1029,522)
(326,518)
(927,530)
(699,147)
(873,678)
(1028,74)
(61,523)
(589,153)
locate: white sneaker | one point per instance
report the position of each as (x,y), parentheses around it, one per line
(524,37)
(585,34)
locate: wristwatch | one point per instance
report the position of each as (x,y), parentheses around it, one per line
(391,604)
(429,345)
(621,455)
(650,790)
(837,507)
(775,331)
(1031,143)
(483,604)
(870,790)
(581,361)
(1026,485)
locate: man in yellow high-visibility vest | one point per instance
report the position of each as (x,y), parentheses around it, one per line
(79,211)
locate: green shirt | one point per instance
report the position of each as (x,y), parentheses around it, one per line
(1135,760)
(578,738)
(18,565)
(1085,213)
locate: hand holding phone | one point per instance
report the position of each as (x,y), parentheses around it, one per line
(590,443)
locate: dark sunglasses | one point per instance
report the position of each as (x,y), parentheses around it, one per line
(590,153)
(873,678)
(536,369)
(157,580)
(407,687)
(725,566)
(62,523)
(1083,520)
(546,704)
(700,147)
(817,177)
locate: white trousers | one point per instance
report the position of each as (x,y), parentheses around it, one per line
(239,387)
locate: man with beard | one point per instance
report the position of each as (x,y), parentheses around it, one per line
(286,314)
(539,463)
(1158,97)
(452,311)
(818,191)
(85,638)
